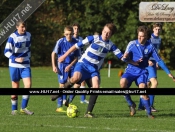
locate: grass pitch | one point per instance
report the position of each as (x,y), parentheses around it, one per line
(111,111)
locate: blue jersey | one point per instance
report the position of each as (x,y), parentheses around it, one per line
(137,51)
(62,46)
(156,41)
(18,46)
(81,50)
(97,50)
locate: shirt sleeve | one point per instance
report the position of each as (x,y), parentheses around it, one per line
(116,51)
(8,51)
(87,41)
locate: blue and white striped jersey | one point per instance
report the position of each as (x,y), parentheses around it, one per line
(97,50)
(137,51)
(18,46)
(156,41)
(62,45)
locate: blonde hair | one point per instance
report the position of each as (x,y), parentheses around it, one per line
(68,28)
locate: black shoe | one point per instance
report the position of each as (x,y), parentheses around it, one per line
(67,103)
(132,109)
(140,109)
(54,97)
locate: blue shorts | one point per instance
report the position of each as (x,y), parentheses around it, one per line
(152,71)
(86,70)
(142,78)
(18,73)
(62,75)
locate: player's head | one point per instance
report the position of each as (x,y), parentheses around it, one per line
(108,30)
(157,28)
(143,34)
(76,29)
(21,27)
(68,32)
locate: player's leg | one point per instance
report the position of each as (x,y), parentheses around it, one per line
(93,98)
(152,70)
(60,100)
(79,70)
(83,97)
(15,78)
(125,82)
(142,83)
(62,78)
(71,97)
(64,98)
(27,81)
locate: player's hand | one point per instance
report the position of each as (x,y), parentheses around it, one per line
(55,69)
(140,60)
(136,63)
(170,75)
(20,59)
(67,69)
(150,63)
(61,59)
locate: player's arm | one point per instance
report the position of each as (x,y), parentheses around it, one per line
(71,64)
(165,68)
(8,51)
(78,45)
(53,56)
(63,57)
(54,68)
(126,58)
(161,63)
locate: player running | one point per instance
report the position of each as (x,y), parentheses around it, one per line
(140,51)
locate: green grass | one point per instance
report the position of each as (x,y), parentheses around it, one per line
(112,113)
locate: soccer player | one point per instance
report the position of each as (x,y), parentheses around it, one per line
(87,68)
(17,49)
(152,68)
(76,28)
(65,68)
(140,51)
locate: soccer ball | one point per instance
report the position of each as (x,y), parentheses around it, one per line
(72,111)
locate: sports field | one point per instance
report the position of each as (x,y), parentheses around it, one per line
(112,112)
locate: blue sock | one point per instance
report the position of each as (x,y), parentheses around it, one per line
(64,97)
(128,99)
(140,104)
(71,97)
(25,99)
(146,103)
(14,104)
(82,97)
(151,98)
(60,102)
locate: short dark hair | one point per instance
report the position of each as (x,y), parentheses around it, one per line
(157,24)
(111,27)
(145,30)
(21,22)
(76,24)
